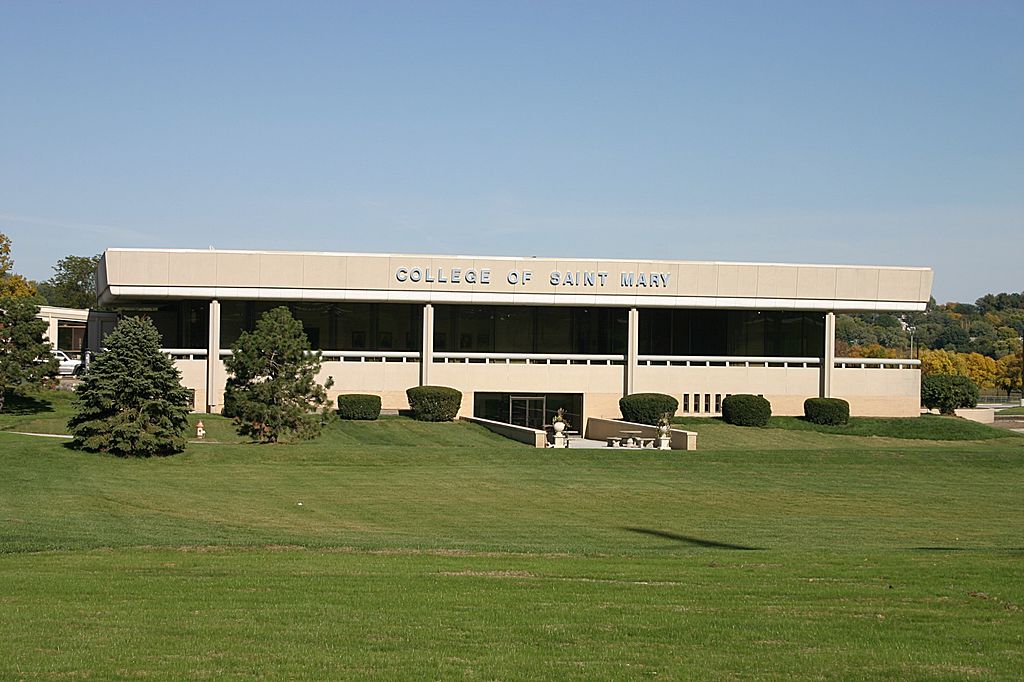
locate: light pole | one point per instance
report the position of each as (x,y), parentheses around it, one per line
(911,329)
(1022,365)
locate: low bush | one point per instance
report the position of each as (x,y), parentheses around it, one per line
(434,403)
(746,410)
(360,406)
(827,411)
(946,393)
(647,408)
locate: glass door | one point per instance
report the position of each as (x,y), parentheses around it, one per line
(526,411)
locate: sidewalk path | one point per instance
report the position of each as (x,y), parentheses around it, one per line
(39,435)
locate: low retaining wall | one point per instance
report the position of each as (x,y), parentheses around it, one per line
(602,429)
(532,437)
(981,415)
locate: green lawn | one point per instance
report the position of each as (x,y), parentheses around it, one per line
(1012,411)
(930,432)
(440,550)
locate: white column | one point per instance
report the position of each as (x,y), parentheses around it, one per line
(828,361)
(632,350)
(427,345)
(213,356)
(51,332)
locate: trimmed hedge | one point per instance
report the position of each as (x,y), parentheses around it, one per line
(359,406)
(947,392)
(827,411)
(746,410)
(647,408)
(434,403)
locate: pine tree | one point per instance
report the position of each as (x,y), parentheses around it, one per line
(25,358)
(272,387)
(131,401)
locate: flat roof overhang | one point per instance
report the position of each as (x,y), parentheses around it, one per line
(133,274)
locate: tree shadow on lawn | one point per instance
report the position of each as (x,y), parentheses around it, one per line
(21,405)
(696,542)
(967,549)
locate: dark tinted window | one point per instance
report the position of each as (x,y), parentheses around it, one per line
(335,326)
(731,332)
(182,324)
(529,329)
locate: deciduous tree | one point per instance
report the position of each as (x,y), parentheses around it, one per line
(935,362)
(1008,376)
(11,285)
(981,370)
(73,284)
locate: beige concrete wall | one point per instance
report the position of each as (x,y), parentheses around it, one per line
(602,429)
(193,375)
(531,437)
(337,276)
(389,380)
(870,392)
(601,385)
(785,387)
(980,415)
(875,392)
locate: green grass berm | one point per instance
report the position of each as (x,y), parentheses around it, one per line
(442,551)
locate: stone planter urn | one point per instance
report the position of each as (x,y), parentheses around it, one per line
(558,427)
(664,436)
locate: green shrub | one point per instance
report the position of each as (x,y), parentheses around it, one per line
(746,410)
(946,393)
(647,408)
(827,411)
(360,406)
(434,403)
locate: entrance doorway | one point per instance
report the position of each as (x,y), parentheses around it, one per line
(526,410)
(533,410)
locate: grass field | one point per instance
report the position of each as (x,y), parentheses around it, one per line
(1012,411)
(439,550)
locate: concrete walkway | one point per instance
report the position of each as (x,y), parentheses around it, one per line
(39,435)
(585,444)
(589,444)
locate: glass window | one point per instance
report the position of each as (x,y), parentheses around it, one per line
(512,408)
(529,329)
(335,326)
(731,333)
(181,324)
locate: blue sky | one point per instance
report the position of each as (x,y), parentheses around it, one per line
(845,132)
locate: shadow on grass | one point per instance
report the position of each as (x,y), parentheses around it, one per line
(696,542)
(22,405)
(967,549)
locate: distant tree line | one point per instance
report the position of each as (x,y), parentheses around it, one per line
(991,326)
(981,341)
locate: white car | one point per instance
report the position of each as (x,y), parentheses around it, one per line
(68,365)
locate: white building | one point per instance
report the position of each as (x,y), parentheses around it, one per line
(521,337)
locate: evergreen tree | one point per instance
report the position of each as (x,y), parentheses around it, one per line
(131,401)
(25,358)
(272,387)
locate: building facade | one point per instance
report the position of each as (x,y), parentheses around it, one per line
(521,337)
